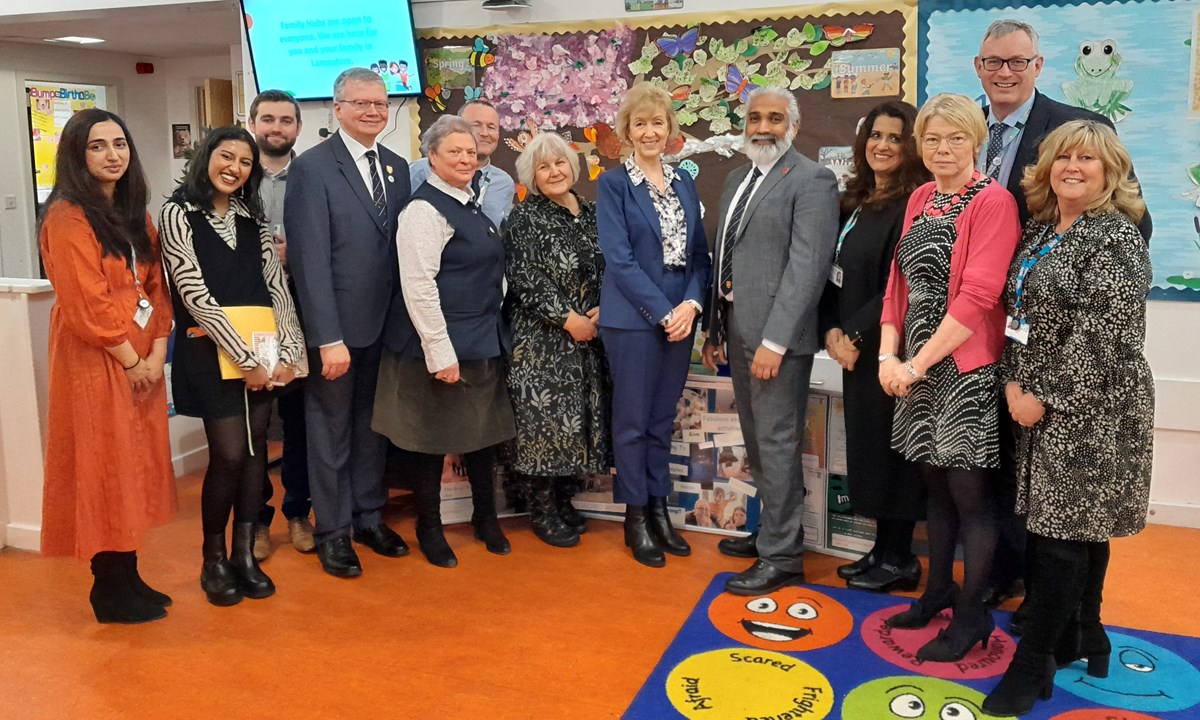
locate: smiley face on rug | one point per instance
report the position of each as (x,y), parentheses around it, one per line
(1142,676)
(789,619)
(913,698)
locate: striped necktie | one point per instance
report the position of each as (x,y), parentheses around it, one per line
(731,234)
(995,146)
(376,186)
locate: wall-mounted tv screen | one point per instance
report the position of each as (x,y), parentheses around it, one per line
(301,45)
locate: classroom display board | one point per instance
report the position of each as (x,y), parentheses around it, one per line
(51,105)
(1099,56)
(571,78)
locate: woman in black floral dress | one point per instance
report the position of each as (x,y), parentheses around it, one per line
(557,378)
(1078,385)
(942,313)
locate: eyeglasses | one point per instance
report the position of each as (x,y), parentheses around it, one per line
(365,105)
(933,142)
(1016,64)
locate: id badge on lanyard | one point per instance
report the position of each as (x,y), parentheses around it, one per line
(141,316)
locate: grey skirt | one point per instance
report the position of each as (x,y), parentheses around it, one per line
(420,413)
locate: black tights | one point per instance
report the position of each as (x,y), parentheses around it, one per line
(893,540)
(960,508)
(426,471)
(234,477)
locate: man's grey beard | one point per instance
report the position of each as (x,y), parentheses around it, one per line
(767,154)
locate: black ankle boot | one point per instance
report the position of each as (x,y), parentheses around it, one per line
(216,575)
(484,520)
(565,488)
(639,539)
(544,516)
(430,538)
(923,609)
(251,580)
(955,641)
(113,598)
(139,586)
(665,534)
(1029,677)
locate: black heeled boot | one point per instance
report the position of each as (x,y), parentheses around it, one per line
(139,585)
(1030,677)
(640,540)
(483,516)
(565,488)
(1085,637)
(251,580)
(544,516)
(216,575)
(665,534)
(430,538)
(923,609)
(113,598)
(968,626)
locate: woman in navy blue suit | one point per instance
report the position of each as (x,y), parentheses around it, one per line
(657,270)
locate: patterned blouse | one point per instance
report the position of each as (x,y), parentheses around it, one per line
(180,255)
(670,213)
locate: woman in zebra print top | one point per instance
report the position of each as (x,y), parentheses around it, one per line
(221,254)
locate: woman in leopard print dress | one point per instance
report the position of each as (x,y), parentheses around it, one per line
(1080,388)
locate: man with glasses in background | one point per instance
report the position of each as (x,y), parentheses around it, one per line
(1018,117)
(343,198)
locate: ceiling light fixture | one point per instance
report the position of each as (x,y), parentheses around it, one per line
(75,39)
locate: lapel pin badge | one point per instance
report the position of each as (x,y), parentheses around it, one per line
(785,170)
(391,179)
(388,168)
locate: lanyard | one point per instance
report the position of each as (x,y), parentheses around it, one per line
(1032,259)
(845,231)
(137,283)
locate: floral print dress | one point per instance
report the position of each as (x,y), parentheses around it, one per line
(559,387)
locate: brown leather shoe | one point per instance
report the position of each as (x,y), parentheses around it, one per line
(262,542)
(300,530)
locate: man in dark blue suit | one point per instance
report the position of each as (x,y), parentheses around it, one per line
(1018,117)
(343,198)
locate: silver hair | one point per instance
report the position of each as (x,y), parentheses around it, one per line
(356,74)
(544,146)
(443,127)
(788,96)
(1007,26)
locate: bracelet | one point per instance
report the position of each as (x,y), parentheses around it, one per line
(913,371)
(139,362)
(887,356)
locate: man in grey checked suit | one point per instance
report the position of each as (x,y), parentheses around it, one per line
(774,250)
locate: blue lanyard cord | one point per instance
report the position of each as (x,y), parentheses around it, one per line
(1032,259)
(845,231)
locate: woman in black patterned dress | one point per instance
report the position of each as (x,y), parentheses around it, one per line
(557,378)
(1079,387)
(883,485)
(942,313)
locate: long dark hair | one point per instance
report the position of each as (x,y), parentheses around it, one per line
(119,224)
(197,188)
(911,174)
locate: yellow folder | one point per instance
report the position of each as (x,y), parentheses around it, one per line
(256,326)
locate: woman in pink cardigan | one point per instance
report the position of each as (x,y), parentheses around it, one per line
(942,334)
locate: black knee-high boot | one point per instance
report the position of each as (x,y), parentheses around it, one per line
(113,598)
(481,471)
(1084,637)
(427,486)
(252,581)
(1058,570)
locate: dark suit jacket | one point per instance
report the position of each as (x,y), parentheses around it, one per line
(1046,115)
(340,251)
(631,296)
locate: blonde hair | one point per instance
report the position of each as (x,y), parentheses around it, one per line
(959,110)
(641,97)
(544,146)
(1120,192)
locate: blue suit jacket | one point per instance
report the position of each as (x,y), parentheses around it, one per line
(631,296)
(341,253)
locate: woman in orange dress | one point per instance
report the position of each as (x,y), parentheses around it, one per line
(108,455)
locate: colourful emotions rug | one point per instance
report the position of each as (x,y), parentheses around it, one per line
(810,652)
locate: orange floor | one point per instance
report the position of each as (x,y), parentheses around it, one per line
(542,633)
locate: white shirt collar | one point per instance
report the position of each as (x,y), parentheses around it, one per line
(766,169)
(357,149)
(462,196)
